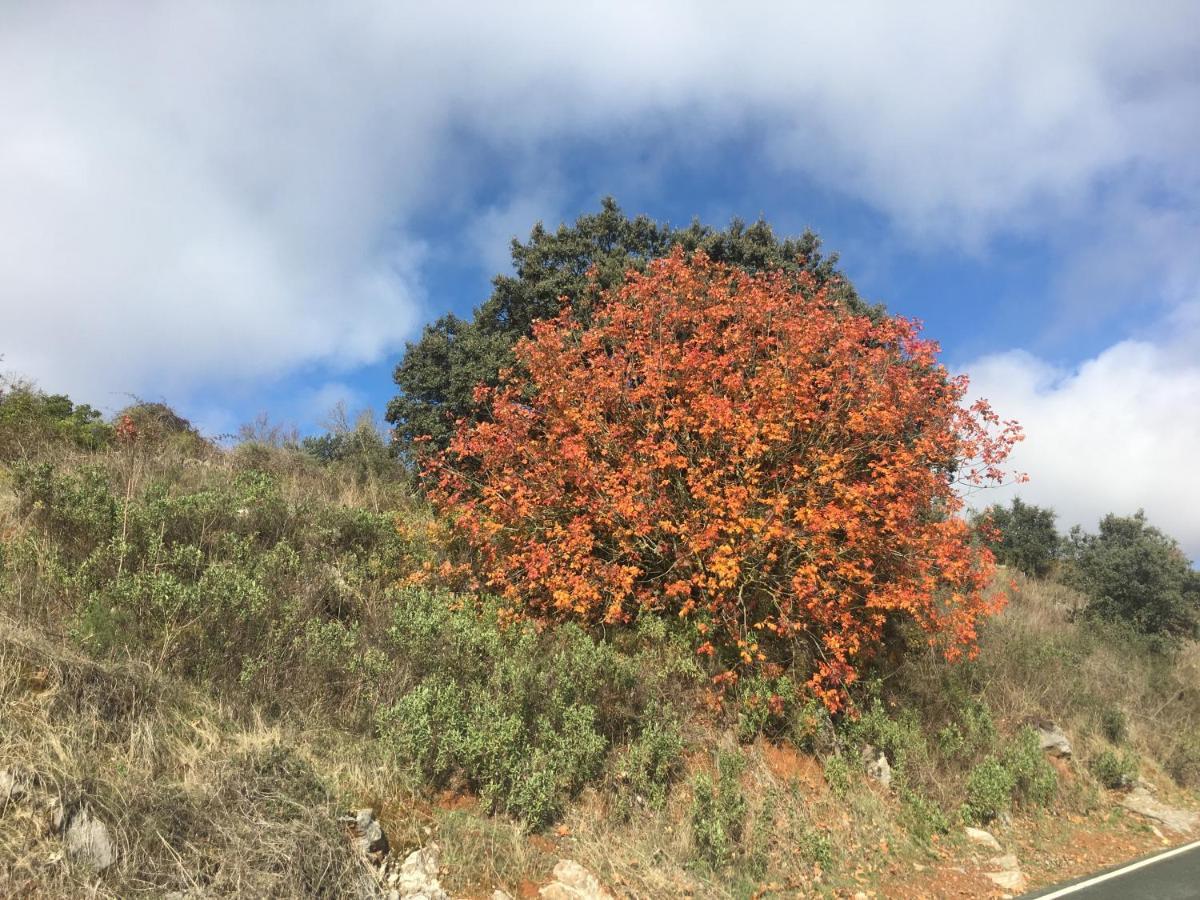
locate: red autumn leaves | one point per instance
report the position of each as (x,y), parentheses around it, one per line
(739,451)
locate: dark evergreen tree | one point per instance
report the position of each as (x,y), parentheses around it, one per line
(439,372)
(1022,536)
(1135,573)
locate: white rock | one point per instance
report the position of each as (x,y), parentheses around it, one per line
(1052,740)
(877,765)
(1009,880)
(573,882)
(419,876)
(88,841)
(1008,862)
(986,838)
(1141,802)
(501,895)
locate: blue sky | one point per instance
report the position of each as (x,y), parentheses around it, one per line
(241,208)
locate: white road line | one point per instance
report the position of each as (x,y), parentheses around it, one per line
(1062,892)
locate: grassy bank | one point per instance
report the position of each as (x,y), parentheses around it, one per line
(220,651)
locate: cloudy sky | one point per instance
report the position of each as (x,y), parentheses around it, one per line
(239,207)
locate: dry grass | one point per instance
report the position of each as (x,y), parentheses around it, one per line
(194,798)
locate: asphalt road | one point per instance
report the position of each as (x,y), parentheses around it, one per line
(1172,875)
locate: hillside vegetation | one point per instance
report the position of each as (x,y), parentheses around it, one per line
(218,652)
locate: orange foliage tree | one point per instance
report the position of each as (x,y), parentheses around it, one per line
(740,451)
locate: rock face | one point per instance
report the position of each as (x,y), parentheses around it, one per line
(1140,801)
(418,876)
(573,882)
(877,765)
(1008,875)
(986,838)
(88,841)
(369,838)
(1052,740)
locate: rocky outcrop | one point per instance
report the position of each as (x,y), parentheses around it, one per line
(1052,739)
(573,882)
(877,765)
(985,838)
(1142,802)
(383,877)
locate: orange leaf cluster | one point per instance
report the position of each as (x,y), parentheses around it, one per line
(737,450)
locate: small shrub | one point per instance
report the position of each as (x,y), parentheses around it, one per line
(650,763)
(989,791)
(1113,769)
(764,706)
(837,774)
(1035,782)
(718,812)
(1183,763)
(1113,725)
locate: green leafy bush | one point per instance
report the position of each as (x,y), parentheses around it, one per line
(1021,535)
(1114,769)
(1021,773)
(719,812)
(525,718)
(1133,572)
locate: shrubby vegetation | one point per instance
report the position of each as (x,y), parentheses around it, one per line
(1021,535)
(1134,573)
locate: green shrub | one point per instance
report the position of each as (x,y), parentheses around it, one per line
(651,761)
(1135,573)
(1113,725)
(989,791)
(526,718)
(1021,535)
(1114,769)
(718,812)
(1035,782)
(837,774)
(764,706)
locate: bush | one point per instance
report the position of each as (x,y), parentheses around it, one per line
(663,459)
(990,788)
(1114,770)
(1021,535)
(525,718)
(1021,773)
(1134,573)
(719,812)
(31,420)
(651,762)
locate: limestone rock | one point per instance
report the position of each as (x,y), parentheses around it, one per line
(986,838)
(1052,739)
(419,876)
(1009,880)
(369,838)
(88,841)
(1140,801)
(877,765)
(573,882)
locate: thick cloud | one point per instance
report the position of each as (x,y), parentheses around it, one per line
(1118,433)
(197,193)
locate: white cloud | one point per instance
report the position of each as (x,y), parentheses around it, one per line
(1115,434)
(195,194)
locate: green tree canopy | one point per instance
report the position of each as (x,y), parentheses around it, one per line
(439,372)
(1022,535)
(1133,572)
